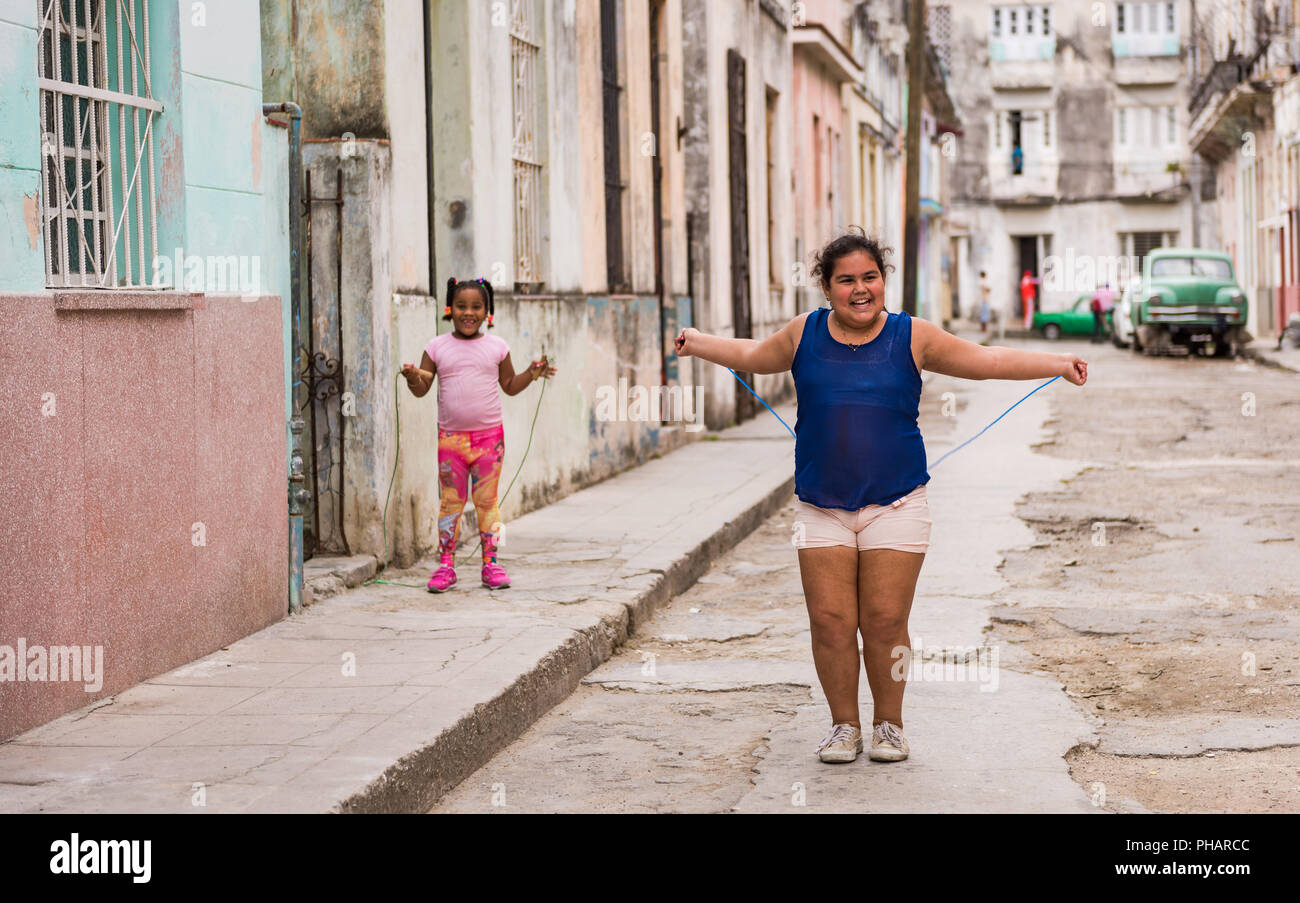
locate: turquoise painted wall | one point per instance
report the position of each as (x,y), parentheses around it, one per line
(22,262)
(222,170)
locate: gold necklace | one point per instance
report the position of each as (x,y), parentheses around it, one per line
(850,344)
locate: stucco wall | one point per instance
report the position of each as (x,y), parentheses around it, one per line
(145,477)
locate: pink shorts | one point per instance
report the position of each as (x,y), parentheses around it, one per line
(903,525)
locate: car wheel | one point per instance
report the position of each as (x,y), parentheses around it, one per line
(1051,332)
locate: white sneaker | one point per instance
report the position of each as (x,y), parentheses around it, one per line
(842,744)
(887,743)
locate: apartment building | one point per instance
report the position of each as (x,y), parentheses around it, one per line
(1073,162)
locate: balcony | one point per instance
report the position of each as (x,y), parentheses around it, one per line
(1034,185)
(1147,176)
(1148,70)
(1150,44)
(1026,47)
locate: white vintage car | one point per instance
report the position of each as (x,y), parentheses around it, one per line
(1121,318)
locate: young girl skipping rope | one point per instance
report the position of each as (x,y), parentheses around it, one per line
(863,522)
(471,437)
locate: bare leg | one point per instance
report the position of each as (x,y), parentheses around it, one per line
(886,585)
(830,586)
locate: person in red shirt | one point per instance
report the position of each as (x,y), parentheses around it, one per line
(1027,291)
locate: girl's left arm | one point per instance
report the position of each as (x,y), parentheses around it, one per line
(513,383)
(943,352)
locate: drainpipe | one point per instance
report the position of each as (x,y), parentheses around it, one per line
(428,153)
(297,479)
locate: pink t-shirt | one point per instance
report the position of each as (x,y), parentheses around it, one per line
(469,395)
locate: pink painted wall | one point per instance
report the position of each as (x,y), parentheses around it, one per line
(819,156)
(159,418)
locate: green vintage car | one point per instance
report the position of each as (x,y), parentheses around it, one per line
(1075,321)
(1188,299)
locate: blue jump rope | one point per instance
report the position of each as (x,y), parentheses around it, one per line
(376,578)
(928,466)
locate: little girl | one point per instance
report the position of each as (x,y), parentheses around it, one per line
(471,436)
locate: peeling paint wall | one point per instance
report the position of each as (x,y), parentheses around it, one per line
(709,30)
(306,47)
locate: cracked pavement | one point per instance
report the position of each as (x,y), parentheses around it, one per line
(714,704)
(1176,624)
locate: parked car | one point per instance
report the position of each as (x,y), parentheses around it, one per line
(1075,321)
(1121,321)
(1188,298)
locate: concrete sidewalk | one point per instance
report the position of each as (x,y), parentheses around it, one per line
(381,698)
(1266,352)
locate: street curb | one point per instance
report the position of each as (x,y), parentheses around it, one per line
(416,782)
(336,575)
(1260,356)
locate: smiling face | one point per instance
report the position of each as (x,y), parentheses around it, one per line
(468,311)
(856,290)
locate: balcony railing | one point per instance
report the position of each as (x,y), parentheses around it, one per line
(1224,74)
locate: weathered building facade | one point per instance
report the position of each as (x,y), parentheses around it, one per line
(540,144)
(1073,158)
(145,293)
(1245,129)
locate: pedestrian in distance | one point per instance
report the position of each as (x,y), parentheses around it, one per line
(1028,296)
(863,522)
(470,365)
(986,292)
(1101,305)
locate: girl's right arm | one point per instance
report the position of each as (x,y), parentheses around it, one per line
(773,354)
(420,380)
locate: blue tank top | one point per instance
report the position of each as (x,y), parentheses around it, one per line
(857,440)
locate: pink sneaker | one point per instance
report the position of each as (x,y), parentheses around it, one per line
(494,576)
(443,578)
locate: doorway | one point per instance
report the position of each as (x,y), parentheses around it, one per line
(1029,251)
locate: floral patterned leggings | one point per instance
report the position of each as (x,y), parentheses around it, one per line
(464,455)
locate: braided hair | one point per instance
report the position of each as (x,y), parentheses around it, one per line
(454,288)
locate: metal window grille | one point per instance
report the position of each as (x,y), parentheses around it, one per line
(524,52)
(99,209)
(940,26)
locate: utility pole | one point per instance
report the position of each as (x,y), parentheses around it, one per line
(912,203)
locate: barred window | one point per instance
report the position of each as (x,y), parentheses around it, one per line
(99,199)
(524,52)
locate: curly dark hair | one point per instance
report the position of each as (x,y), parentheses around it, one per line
(456,286)
(856,239)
